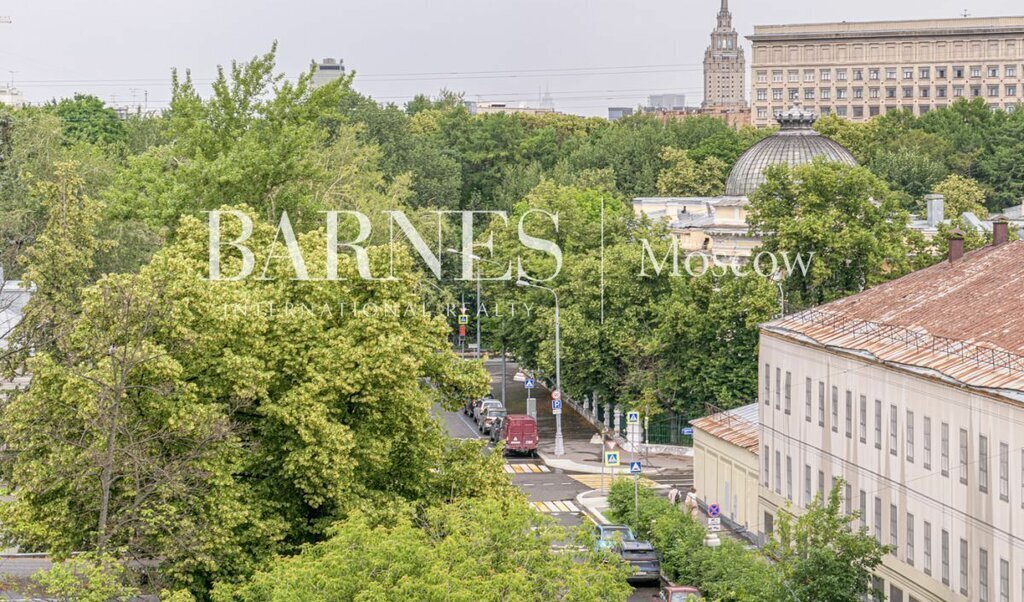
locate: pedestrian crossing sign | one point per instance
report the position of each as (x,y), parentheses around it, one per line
(635,468)
(633,418)
(463,319)
(611,458)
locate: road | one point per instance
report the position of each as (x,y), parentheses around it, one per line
(551,490)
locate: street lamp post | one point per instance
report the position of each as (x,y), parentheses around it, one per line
(559,443)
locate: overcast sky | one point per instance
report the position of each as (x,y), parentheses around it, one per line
(589,54)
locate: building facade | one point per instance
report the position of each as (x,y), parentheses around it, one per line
(860,70)
(912,393)
(724,66)
(725,467)
(327,71)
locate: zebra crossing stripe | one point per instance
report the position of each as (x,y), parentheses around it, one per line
(556,507)
(526,468)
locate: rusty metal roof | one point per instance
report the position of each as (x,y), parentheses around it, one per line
(738,426)
(964,319)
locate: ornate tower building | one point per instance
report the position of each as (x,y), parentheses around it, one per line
(724,66)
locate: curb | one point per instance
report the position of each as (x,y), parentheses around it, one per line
(573,466)
(594,514)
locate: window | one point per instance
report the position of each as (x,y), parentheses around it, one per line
(910,539)
(890,73)
(894,528)
(807,484)
(927,443)
(908,91)
(808,93)
(890,92)
(958,91)
(767,461)
(841,93)
(821,485)
(821,403)
(835,409)
(924,92)
(910,436)
(895,593)
(841,75)
(1022,483)
(1011,71)
(762,77)
(945,557)
(878,519)
(940,91)
(975,71)
(940,73)
(927,548)
(762,94)
(1004,472)
(993,91)
(982,575)
(863,509)
(878,424)
(807,404)
(863,419)
(825,93)
(849,414)
(848,499)
(809,75)
(873,74)
(789,477)
(858,92)
(958,72)
(858,75)
(908,73)
(963,456)
(778,388)
(963,566)
(874,93)
(794,77)
(1011,90)
(825,75)
(858,111)
(1004,580)
(762,112)
(944,450)
(925,73)
(776,93)
(983,463)
(893,430)
(777,77)
(789,393)
(877,589)
(767,384)
(794,94)
(993,71)
(778,472)
(873,111)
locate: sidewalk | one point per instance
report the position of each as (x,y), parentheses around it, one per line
(583,456)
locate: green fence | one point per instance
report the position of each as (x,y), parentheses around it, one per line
(667,429)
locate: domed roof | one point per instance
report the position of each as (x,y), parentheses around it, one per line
(795,143)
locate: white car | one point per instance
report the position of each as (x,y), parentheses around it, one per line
(483,405)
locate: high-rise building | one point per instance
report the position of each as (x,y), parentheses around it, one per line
(724,66)
(327,70)
(860,70)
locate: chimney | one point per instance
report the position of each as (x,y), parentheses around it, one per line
(935,205)
(1000,230)
(956,245)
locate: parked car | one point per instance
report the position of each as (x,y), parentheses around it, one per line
(519,432)
(470,405)
(489,416)
(677,593)
(495,434)
(481,407)
(639,554)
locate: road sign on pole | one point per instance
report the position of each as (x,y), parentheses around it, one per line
(556,394)
(635,468)
(530,383)
(687,431)
(714,511)
(556,406)
(633,418)
(463,319)
(611,458)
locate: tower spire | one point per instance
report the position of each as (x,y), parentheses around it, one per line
(725,6)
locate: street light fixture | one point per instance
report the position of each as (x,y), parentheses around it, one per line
(559,443)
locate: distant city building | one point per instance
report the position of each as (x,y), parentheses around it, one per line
(912,394)
(724,66)
(327,71)
(616,113)
(666,102)
(484,108)
(860,70)
(11,97)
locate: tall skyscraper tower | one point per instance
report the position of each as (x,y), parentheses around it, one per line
(724,66)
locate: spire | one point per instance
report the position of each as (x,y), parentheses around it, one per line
(725,6)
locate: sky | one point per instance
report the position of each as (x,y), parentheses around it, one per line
(588,54)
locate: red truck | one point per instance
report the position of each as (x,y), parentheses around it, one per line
(519,432)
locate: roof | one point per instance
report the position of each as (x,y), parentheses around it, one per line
(845,30)
(963,320)
(738,426)
(796,143)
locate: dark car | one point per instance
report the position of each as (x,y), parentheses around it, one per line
(495,434)
(639,554)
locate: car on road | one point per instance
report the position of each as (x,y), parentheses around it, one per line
(519,432)
(638,554)
(489,416)
(483,406)
(495,434)
(471,405)
(677,593)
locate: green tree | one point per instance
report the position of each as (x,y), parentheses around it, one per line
(86,578)
(821,556)
(962,195)
(846,216)
(686,177)
(87,119)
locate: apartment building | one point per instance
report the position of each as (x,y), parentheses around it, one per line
(860,70)
(912,393)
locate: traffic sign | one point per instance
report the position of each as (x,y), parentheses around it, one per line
(715,520)
(530,383)
(687,431)
(635,468)
(633,417)
(714,528)
(714,510)
(463,319)
(556,406)
(611,458)
(556,394)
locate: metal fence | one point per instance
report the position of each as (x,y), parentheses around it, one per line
(667,429)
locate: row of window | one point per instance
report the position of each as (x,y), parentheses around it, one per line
(958,91)
(855,423)
(875,110)
(888,73)
(909,552)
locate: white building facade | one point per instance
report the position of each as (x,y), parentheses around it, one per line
(912,393)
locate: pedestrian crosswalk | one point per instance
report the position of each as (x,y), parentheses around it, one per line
(556,507)
(595,481)
(526,468)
